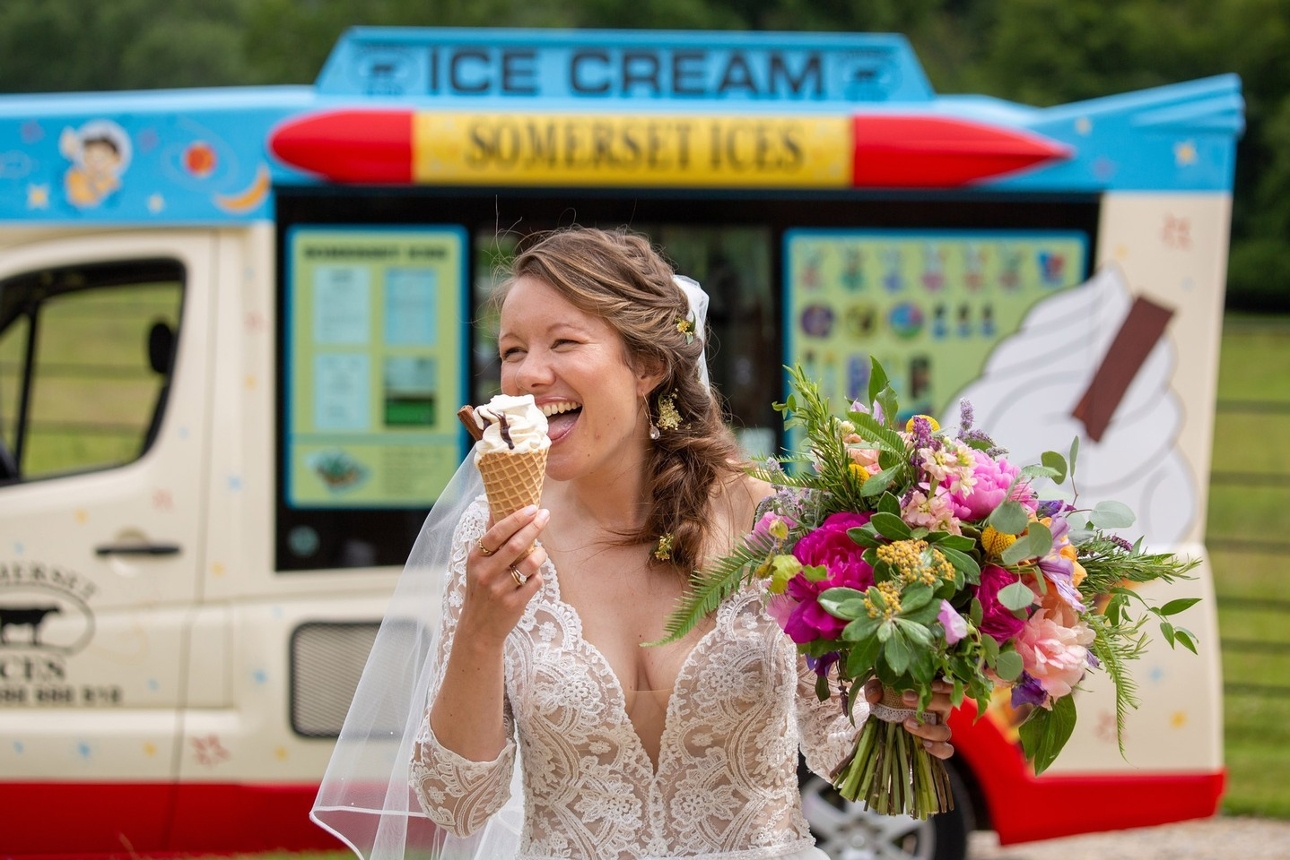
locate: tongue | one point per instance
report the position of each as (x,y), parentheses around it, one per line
(558,425)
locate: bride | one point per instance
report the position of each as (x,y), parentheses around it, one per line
(687,750)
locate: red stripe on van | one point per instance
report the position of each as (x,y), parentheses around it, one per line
(1022,807)
(73,821)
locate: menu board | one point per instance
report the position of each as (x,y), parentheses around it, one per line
(929,305)
(376,364)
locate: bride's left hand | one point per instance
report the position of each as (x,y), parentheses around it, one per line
(935,735)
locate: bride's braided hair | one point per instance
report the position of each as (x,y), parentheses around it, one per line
(619,277)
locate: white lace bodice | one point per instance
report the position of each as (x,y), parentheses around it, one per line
(726,780)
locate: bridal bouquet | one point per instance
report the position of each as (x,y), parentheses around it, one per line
(911,553)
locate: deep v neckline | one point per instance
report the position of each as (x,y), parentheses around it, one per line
(620,693)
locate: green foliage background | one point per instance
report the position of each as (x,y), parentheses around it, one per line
(1038,52)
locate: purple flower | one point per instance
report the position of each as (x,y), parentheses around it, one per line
(967,416)
(1050,508)
(1028,691)
(997,620)
(922,432)
(821,665)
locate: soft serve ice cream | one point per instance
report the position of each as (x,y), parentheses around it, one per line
(510,425)
(510,450)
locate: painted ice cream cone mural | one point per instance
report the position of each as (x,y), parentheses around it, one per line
(1091,362)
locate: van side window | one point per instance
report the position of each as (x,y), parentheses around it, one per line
(86,355)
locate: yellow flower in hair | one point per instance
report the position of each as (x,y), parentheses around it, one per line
(663,551)
(686,327)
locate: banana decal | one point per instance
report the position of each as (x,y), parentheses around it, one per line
(249,198)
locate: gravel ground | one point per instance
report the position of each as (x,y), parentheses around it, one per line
(1219,838)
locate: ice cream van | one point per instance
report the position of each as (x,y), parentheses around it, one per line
(235,326)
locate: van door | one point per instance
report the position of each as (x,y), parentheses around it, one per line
(104,377)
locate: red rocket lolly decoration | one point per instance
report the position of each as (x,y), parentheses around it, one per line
(368,146)
(940,152)
(376,146)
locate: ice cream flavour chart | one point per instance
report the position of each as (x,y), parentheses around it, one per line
(930,305)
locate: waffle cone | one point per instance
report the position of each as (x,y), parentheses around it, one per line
(512,480)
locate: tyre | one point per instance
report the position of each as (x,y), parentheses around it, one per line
(849,831)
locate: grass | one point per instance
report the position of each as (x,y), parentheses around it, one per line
(1253,581)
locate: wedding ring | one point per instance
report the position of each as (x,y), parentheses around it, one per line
(519,578)
(485,550)
(527,552)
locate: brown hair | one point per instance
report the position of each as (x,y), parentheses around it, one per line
(619,277)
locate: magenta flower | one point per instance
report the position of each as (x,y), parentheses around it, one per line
(997,620)
(830,547)
(992,480)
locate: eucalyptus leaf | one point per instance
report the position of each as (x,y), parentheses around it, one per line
(1008,666)
(1010,518)
(1016,596)
(1057,463)
(1018,552)
(1111,515)
(1070,459)
(975,612)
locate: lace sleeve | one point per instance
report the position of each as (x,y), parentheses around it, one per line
(827,733)
(456,793)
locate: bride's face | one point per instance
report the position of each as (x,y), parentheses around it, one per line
(576,367)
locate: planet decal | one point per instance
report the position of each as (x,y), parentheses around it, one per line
(199,159)
(906,320)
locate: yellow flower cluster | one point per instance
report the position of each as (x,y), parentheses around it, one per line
(914,561)
(890,607)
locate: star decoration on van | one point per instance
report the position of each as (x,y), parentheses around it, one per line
(37,196)
(209,750)
(1185,153)
(1178,719)
(156,203)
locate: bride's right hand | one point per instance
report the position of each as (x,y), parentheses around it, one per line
(505,554)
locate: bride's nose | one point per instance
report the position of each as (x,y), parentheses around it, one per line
(534,372)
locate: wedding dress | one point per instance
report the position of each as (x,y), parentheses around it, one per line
(725,785)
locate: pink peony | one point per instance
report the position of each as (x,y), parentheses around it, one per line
(992,478)
(1054,655)
(997,620)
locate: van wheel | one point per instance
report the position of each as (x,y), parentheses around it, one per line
(849,831)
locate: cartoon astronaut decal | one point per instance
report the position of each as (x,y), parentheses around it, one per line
(100,152)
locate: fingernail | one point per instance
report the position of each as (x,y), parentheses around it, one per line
(542,517)
(529,510)
(912,723)
(927,745)
(911,697)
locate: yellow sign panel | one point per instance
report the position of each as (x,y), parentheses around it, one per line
(622,149)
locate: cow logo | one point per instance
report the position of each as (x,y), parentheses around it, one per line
(43,609)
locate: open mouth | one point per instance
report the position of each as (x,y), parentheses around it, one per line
(561,415)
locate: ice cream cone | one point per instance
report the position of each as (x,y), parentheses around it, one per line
(512,480)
